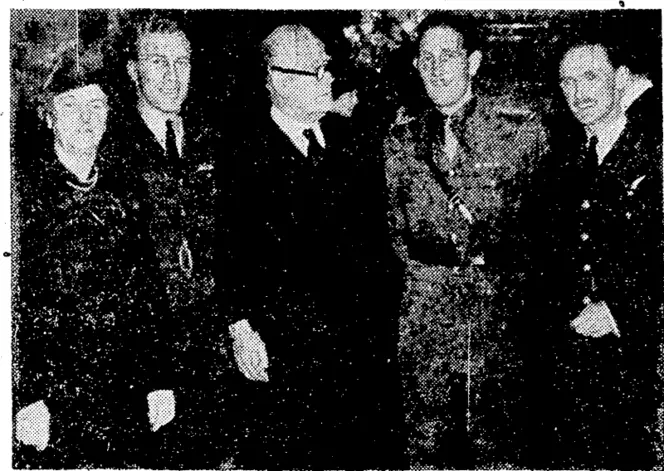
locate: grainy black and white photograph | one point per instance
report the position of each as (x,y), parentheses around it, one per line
(405,239)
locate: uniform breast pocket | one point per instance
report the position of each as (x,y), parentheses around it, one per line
(478,187)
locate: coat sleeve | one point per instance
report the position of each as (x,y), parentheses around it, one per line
(48,200)
(249,245)
(395,187)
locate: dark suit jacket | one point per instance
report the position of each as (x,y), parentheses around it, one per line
(604,226)
(307,243)
(180,207)
(309,264)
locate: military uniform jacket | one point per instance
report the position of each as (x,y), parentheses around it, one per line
(181,197)
(596,235)
(498,143)
(89,298)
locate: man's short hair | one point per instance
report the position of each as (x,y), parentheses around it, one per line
(155,23)
(465,25)
(290,34)
(595,37)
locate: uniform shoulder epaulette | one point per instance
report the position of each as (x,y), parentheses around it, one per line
(402,117)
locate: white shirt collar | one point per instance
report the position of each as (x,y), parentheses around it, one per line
(608,135)
(156,121)
(634,90)
(294,130)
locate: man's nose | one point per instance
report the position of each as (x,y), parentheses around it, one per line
(439,67)
(327,78)
(85,114)
(171,71)
(580,93)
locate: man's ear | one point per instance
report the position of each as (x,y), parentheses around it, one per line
(269,82)
(474,62)
(622,77)
(277,82)
(133,73)
(415,62)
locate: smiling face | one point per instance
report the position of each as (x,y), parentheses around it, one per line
(304,97)
(589,83)
(78,118)
(446,68)
(161,72)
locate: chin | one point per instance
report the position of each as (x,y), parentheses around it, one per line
(86,145)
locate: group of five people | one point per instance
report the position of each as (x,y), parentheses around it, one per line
(186,291)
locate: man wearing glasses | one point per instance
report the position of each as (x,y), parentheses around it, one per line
(173,155)
(456,164)
(314,287)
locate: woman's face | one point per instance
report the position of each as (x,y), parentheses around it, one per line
(79,118)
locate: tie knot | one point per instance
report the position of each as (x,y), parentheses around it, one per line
(592,143)
(314,150)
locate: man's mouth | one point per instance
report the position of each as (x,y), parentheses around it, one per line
(172,92)
(584,106)
(441,83)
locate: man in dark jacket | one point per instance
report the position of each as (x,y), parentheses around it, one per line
(314,290)
(595,287)
(173,156)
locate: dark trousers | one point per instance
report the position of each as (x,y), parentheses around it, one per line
(591,403)
(320,410)
(203,433)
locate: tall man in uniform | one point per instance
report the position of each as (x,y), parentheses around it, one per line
(173,154)
(595,287)
(456,168)
(314,290)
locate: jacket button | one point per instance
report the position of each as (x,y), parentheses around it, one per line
(586,300)
(584,237)
(585,204)
(586,267)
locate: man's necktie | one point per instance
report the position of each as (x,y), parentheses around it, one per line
(591,159)
(315,150)
(172,154)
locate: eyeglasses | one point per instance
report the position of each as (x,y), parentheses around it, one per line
(319,73)
(162,63)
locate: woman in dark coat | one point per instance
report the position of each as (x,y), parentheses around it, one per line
(90,364)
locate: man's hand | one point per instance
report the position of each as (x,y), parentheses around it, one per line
(161,408)
(33,425)
(595,321)
(250,352)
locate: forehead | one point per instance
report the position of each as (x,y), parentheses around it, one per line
(167,44)
(86,93)
(441,37)
(582,59)
(293,50)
